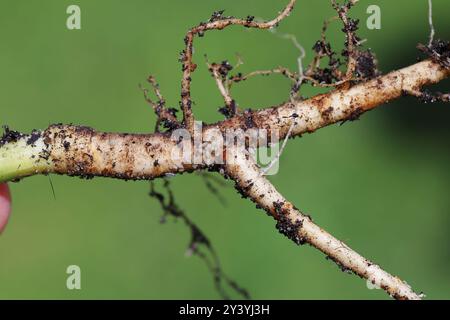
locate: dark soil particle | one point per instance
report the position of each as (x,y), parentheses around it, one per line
(35,135)
(84,130)
(438,51)
(327,113)
(44,154)
(285,225)
(290,229)
(217,15)
(427,97)
(10,136)
(324,75)
(278,206)
(225,111)
(66,145)
(248,116)
(366,66)
(224,68)
(241,192)
(351,26)
(247,188)
(354,115)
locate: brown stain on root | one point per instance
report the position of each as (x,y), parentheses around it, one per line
(81,151)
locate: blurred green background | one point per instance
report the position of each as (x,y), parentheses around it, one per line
(381,184)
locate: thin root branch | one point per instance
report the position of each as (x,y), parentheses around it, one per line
(217,22)
(198,242)
(219,71)
(165,116)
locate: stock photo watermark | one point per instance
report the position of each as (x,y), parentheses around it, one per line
(211,146)
(73,281)
(373,22)
(73,21)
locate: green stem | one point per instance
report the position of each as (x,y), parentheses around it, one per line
(23,157)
